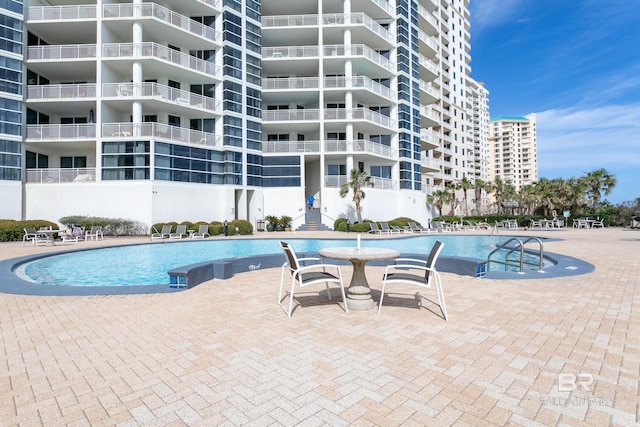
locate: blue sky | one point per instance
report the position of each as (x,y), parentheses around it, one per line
(576,64)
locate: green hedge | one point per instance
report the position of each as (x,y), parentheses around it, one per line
(11,230)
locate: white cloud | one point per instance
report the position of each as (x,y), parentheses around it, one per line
(488,13)
(572,142)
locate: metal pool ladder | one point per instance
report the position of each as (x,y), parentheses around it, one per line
(517,246)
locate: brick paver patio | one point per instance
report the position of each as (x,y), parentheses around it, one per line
(224,353)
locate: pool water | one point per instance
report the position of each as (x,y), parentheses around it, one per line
(148,264)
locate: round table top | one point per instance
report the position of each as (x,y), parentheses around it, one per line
(359,254)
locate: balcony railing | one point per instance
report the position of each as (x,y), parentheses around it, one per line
(157,51)
(359,146)
(290,83)
(65,91)
(61,132)
(359,50)
(289,21)
(358,114)
(335,181)
(296,52)
(290,146)
(62,52)
(428,40)
(61,13)
(352,19)
(55,175)
(159,131)
(290,115)
(153,10)
(429,65)
(163,92)
(430,163)
(360,82)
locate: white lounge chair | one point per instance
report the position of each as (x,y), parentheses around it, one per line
(374,228)
(163,234)
(398,273)
(181,231)
(307,275)
(418,228)
(203,231)
(384,227)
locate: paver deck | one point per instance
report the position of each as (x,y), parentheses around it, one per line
(224,353)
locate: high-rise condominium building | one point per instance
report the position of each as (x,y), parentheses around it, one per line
(513,149)
(219,109)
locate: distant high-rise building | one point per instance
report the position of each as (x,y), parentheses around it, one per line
(513,149)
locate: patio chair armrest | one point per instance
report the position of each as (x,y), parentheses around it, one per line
(412,261)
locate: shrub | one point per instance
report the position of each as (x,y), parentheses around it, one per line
(11,231)
(111,226)
(240,226)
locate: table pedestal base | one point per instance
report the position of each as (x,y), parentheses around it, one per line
(359,294)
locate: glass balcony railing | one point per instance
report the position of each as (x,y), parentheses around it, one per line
(61,52)
(360,50)
(61,92)
(56,175)
(291,146)
(160,52)
(334,181)
(286,83)
(360,146)
(57,132)
(353,19)
(160,131)
(161,92)
(360,82)
(296,52)
(289,21)
(290,115)
(153,10)
(61,13)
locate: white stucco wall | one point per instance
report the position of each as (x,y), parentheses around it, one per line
(11,196)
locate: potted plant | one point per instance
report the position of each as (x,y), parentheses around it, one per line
(285,222)
(272,222)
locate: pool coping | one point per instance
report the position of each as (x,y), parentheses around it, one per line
(225,268)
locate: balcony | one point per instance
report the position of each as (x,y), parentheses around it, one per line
(128,12)
(57,175)
(291,146)
(159,131)
(355,20)
(336,181)
(290,115)
(64,92)
(164,54)
(429,116)
(354,114)
(429,44)
(429,164)
(288,21)
(360,82)
(430,68)
(289,83)
(67,52)
(358,50)
(429,139)
(293,52)
(58,132)
(61,13)
(359,146)
(178,98)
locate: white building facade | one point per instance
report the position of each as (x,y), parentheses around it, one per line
(201,110)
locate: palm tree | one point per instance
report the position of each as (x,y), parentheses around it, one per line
(600,181)
(451,189)
(478,187)
(359,179)
(438,199)
(465,185)
(498,188)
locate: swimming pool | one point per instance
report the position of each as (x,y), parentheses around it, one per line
(148,264)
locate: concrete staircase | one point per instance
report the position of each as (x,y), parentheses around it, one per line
(313,222)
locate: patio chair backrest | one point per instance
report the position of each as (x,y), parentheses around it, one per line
(203,229)
(290,256)
(181,229)
(432,258)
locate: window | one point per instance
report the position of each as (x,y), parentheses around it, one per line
(73,162)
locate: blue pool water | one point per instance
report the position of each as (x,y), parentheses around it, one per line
(147,264)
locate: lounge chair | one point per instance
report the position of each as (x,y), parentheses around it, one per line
(94,233)
(374,228)
(305,275)
(384,228)
(163,234)
(418,228)
(203,231)
(75,235)
(399,273)
(181,231)
(396,229)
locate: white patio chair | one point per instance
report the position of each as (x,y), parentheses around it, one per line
(597,223)
(95,233)
(400,273)
(307,275)
(203,231)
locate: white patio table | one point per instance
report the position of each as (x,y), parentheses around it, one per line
(359,292)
